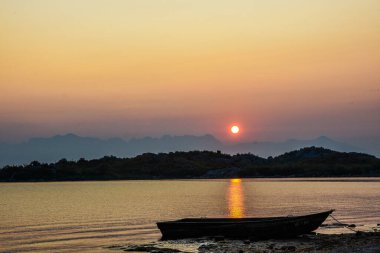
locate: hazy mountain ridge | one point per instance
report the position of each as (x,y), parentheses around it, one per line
(74,147)
(266,149)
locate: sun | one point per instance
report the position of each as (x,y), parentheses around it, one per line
(235,129)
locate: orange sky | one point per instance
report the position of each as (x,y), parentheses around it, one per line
(281,69)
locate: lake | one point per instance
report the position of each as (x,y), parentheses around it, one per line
(90,216)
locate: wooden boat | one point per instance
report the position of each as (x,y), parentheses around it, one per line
(253,228)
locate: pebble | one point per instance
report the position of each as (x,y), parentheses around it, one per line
(289,248)
(218,238)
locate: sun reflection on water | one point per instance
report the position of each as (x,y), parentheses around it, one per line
(235,196)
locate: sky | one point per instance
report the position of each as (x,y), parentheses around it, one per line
(133,68)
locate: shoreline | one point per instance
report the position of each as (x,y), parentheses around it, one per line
(365,242)
(263,179)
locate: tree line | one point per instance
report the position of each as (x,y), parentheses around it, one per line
(306,162)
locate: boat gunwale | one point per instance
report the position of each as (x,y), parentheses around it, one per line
(243,220)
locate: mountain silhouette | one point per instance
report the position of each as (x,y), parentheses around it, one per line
(265,149)
(74,147)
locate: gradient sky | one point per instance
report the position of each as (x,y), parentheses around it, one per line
(281,69)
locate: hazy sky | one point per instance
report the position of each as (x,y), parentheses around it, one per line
(280,69)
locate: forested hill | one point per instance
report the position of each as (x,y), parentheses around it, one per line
(306,162)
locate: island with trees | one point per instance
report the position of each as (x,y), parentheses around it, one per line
(306,162)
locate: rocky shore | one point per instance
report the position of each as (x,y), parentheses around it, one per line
(365,242)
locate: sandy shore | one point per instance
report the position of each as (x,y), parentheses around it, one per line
(366,242)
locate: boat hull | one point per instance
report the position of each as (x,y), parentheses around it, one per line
(254,228)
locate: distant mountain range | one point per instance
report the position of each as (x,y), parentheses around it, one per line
(74,147)
(265,149)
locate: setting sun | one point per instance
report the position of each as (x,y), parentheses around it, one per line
(235,129)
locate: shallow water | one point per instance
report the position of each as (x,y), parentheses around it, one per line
(91,216)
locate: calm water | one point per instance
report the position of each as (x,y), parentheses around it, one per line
(89,216)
